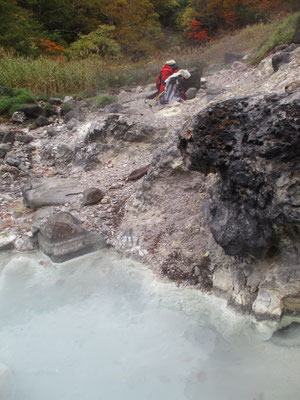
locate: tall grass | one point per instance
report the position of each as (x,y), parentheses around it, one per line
(46,76)
(282,32)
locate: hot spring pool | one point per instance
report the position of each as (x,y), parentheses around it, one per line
(104,328)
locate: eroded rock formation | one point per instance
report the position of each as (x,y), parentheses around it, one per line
(254,146)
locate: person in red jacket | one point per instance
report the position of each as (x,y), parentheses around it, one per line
(168,69)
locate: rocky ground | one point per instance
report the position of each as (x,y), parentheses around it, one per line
(145,201)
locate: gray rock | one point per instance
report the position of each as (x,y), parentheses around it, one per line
(231,56)
(279,48)
(9,137)
(86,157)
(290,48)
(32,110)
(280,58)
(64,152)
(68,100)
(55,101)
(191,93)
(26,243)
(52,132)
(194,80)
(42,121)
(62,238)
(18,117)
(72,124)
(48,192)
(74,114)
(14,162)
(6,241)
(117,128)
(4,148)
(24,138)
(3,130)
(92,196)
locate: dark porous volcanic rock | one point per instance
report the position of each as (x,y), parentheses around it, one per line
(254,146)
(62,238)
(118,128)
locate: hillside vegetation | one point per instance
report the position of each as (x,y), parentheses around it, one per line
(46,75)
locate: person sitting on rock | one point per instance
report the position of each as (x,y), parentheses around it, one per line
(167,70)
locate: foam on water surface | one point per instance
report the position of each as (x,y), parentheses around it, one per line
(104,328)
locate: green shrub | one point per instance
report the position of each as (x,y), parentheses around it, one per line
(10,104)
(98,42)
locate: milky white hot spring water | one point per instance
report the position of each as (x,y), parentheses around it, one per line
(104,328)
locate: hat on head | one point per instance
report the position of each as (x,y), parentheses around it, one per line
(171,62)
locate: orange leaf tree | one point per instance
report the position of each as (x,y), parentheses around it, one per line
(197,33)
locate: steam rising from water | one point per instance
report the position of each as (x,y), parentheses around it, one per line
(103,328)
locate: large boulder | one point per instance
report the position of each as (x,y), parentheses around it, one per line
(254,146)
(48,192)
(194,80)
(62,238)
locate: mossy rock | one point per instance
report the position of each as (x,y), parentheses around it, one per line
(12,99)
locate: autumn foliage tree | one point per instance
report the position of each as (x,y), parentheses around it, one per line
(132,27)
(51,48)
(197,33)
(213,15)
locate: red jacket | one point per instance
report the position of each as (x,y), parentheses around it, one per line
(165,72)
